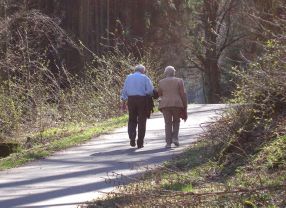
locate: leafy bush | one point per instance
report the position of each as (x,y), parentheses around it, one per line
(261,97)
(39,88)
(10,114)
(263,83)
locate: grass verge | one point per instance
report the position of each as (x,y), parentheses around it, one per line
(195,179)
(56,139)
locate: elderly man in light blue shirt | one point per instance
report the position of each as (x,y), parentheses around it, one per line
(136,88)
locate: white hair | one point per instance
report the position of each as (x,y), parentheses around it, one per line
(170,71)
(140,68)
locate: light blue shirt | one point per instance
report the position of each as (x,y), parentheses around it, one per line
(137,84)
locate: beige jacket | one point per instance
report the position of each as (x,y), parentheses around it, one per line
(172,93)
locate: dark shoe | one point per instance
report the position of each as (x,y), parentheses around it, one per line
(176,144)
(168,146)
(140,146)
(132,143)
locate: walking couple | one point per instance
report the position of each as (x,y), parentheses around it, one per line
(138,89)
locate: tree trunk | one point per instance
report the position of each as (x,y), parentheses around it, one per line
(211,72)
(212,83)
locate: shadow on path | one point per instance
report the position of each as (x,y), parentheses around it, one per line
(79,174)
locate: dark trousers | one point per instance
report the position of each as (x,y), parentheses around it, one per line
(137,117)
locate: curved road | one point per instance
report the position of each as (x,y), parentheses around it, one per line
(82,173)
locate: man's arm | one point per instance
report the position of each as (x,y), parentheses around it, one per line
(149,86)
(124,95)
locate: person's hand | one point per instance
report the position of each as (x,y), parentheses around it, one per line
(124,106)
(186,117)
(185,114)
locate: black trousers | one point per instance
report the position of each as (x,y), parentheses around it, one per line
(137,117)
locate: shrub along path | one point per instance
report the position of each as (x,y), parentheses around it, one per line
(82,173)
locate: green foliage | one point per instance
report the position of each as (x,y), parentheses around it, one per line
(10,113)
(45,107)
(273,155)
(263,83)
(178,186)
(260,96)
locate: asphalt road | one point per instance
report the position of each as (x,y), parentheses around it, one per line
(82,173)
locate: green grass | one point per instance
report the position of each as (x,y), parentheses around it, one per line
(61,131)
(274,153)
(267,167)
(178,186)
(198,172)
(61,138)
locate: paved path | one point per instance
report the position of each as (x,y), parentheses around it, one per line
(79,174)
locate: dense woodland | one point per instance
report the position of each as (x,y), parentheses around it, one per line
(209,36)
(64,50)
(63,62)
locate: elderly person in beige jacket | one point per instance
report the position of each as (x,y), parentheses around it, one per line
(173,104)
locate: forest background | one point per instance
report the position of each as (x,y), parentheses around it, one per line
(64,62)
